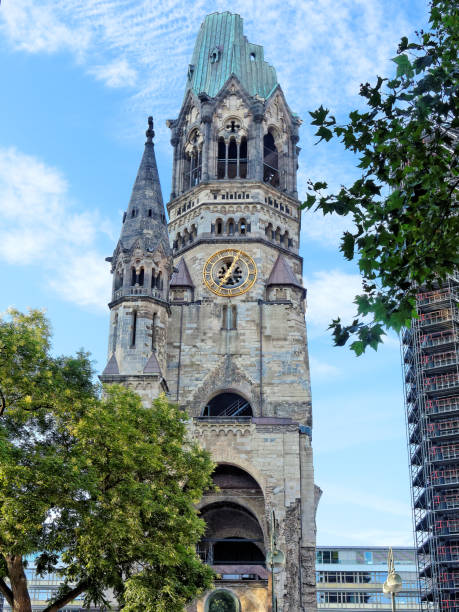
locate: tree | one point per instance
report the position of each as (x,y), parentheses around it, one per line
(101,491)
(404,204)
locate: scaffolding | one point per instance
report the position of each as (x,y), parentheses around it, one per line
(430,352)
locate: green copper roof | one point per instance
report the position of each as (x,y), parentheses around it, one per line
(222,50)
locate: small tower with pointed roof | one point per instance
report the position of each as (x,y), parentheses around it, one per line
(142,267)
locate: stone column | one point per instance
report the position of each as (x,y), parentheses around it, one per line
(206,118)
(256,153)
(238,145)
(294,141)
(226,158)
(175,189)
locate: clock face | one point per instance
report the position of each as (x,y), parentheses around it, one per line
(229,272)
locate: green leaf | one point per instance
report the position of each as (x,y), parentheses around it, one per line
(404,67)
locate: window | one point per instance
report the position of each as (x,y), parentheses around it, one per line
(221,158)
(242,227)
(219,226)
(159,281)
(243,159)
(232,158)
(368,556)
(150,212)
(229,317)
(141,277)
(327,556)
(134,328)
(230,227)
(270,161)
(118,279)
(153,331)
(133,276)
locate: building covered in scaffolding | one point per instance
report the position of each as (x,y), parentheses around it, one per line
(431,368)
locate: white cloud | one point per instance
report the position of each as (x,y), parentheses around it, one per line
(38,28)
(330,294)
(322,50)
(39,227)
(116,74)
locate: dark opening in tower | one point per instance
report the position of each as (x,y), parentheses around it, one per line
(270,161)
(228,405)
(233,535)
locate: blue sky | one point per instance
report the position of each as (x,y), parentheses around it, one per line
(78,79)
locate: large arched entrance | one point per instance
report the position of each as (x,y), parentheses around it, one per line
(233,542)
(228,405)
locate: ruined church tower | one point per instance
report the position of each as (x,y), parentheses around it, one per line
(211,310)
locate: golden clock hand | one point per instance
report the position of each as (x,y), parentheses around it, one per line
(230,269)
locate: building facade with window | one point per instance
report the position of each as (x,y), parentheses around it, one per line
(431,371)
(352,578)
(210,309)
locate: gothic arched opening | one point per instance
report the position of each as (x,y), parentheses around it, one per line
(243,158)
(221,158)
(232,159)
(228,405)
(270,161)
(233,536)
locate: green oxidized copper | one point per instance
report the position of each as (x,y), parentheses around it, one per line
(222,50)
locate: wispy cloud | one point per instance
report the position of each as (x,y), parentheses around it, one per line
(321,49)
(117,74)
(39,226)
(330,294)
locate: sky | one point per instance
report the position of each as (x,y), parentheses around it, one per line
(78,79)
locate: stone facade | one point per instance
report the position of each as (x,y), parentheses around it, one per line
(238,365)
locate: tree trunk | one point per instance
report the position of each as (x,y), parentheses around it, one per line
(18,581)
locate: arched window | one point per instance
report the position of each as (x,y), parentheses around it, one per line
(153,331)
(159,281)
(141,277)
(219,227)
(270,161)
(134,328)
(277,234)
(242,227)
(221,158)
(133,277)
(228,405)
(153,278)
(230,227)
(118,280)
(243,158)
(269,231)
(232,159)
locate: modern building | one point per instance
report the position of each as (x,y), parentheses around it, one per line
(210,309)
(351,578)
(431,363)
(43,588)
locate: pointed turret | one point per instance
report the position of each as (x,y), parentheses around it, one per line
(141,268)
(145,218)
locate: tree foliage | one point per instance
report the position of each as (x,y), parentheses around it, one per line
(404,203)
(101,491)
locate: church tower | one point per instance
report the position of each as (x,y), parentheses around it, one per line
(217,319)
